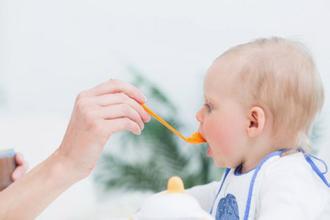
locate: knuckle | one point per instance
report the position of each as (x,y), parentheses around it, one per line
(113,81)
(123,96)
(81,95)
(125,109)
(79,101)
(134,127)
(82,106)
(128,123)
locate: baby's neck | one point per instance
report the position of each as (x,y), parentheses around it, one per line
(259,150)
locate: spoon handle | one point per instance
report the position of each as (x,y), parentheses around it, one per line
(163,122)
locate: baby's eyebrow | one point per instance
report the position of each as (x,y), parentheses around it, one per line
(210,101)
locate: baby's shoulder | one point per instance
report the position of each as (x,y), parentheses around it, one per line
(291,181)
(293,173)
(286,164)
(293,167)
(290,184)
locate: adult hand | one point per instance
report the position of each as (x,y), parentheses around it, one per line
(98,113)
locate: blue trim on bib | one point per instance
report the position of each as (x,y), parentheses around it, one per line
(309,159)
(223,180)
(248,203)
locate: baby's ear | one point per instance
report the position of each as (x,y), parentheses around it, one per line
(256,119)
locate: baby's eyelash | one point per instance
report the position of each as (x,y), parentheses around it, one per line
(207,106)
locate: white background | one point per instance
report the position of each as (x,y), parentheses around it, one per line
(51,50)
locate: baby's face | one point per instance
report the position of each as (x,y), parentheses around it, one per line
(223,120)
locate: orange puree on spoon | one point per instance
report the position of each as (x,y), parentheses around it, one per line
(195,138)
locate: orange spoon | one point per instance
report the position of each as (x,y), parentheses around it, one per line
(195,138)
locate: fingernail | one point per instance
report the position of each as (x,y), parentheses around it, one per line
(138,132)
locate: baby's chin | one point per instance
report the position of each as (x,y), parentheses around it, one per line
(223,162)
(220,164)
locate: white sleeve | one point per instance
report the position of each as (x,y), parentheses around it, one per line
(290,192)
(205,194)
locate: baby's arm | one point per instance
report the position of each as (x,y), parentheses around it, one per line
(205,194)
(291,191)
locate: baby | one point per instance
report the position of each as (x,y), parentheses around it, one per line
(260,101)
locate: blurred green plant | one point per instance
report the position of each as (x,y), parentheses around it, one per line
(144,163)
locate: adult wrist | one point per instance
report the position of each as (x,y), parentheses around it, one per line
(64,168)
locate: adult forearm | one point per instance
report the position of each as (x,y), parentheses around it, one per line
(110,107)
(29,196)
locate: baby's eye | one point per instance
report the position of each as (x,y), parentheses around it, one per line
(208,107)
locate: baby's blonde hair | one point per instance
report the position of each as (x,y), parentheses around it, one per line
(280,74)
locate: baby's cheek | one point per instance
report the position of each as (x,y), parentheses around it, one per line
(222,137)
